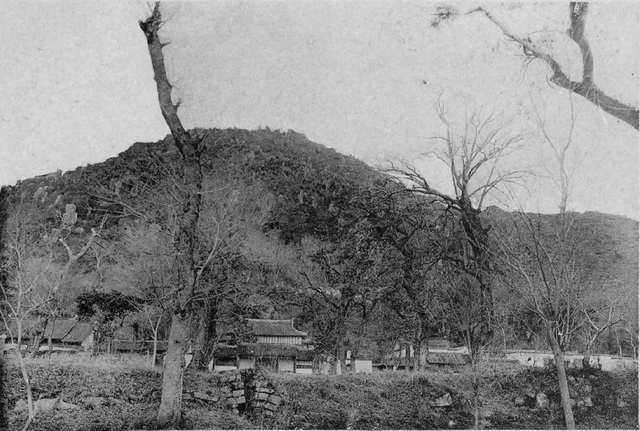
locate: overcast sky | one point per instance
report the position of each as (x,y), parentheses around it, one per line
(360,77)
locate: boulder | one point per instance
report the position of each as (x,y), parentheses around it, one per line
(201,395)
(94,402)
(270,407)
(274,399)
(45,405)
(621,404)
(588,402)
(444,401)
(542,401)
(20,406)
(519,401)
(117,402)
(67,406)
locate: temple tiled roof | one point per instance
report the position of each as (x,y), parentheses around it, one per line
(274,328)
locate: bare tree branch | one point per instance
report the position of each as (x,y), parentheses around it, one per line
(585,88)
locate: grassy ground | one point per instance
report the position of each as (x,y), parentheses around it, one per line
(384,400)
(130,387)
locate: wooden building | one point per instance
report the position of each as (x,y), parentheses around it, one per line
(278,347)
(67,334)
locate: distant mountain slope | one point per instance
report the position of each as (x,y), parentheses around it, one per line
(312,185)
(608,244)
(307,178)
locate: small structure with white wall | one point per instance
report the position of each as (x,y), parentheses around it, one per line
(535,358)
(278,347)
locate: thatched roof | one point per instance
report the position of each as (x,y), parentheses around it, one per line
(439,343)
(58,328)
(61,330)
(78,333)
(446,358)
(274,328)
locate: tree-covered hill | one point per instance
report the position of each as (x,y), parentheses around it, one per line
(294,230)
(306,178)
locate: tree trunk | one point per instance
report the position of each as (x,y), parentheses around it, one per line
(424,342)
(49,341)
(565,398)
(199,360)
(421,343)
(341,360)
(190,151)
(4,419)
(586,359)
(207,334)
(170,409)
(25,377)
(417,350)
(154,356)
(476,393)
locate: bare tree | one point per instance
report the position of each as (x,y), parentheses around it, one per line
(586,87)
(563,174)
(461,305)
(600,313)
(190,147)
(472,152)
(412,227)
(543,266)
(145,267)
(34,273)
(343,280)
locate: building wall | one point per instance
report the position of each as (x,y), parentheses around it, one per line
(363,366)
(88,342)
(246,363)
(286,365)
(304,367)
(219,368)
(279,340)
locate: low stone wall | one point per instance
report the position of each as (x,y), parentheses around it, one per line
(581,392)
(249,391)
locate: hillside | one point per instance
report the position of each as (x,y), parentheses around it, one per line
(301,174)
(312,198)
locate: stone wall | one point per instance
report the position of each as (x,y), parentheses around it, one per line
(250,392)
